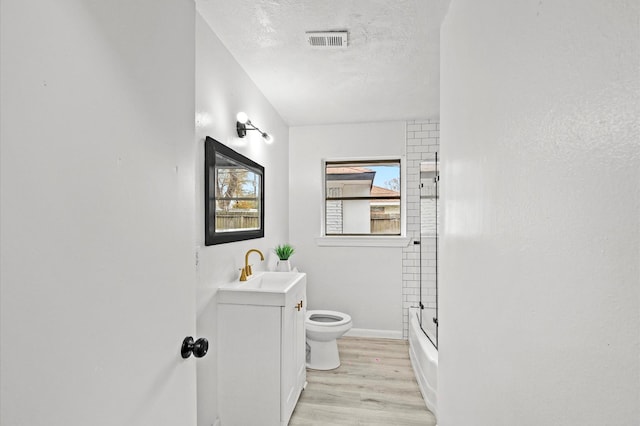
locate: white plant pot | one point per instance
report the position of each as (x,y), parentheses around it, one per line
(283,266)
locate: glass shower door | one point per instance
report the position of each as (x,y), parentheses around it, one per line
(429,221)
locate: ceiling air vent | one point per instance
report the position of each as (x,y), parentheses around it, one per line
(327,39)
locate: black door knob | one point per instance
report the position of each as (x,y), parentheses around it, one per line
(199,347)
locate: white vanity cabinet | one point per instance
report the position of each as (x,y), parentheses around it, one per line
(261,351)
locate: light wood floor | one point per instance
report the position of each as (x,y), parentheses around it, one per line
(374,386)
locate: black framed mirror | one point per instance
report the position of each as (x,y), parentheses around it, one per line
(234,195)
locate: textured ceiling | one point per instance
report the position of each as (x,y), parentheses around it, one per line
(389,71)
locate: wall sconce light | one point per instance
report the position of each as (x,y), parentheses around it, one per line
(243,124)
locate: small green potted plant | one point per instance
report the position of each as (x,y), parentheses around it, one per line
(284,252)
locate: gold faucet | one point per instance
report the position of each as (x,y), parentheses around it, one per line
(246,271)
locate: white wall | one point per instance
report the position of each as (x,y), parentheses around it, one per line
(539,307)
(97,276)
(223,89)
(365,282)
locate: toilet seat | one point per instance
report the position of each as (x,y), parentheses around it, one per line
(327,318)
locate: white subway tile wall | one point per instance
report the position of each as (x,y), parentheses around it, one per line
(423,139)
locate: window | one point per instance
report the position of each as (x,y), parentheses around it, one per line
(362,198)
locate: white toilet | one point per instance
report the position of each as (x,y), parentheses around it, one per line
(323,328)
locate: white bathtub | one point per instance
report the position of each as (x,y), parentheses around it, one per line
(424,359)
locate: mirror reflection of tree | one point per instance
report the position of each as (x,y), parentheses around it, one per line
(236,189)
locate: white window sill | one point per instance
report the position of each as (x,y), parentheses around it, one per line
(368,241)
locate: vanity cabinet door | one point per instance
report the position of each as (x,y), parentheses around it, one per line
(249,364)
(294,371)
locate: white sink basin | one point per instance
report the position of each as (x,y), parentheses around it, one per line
(262,288)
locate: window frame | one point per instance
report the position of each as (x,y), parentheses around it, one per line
(370,240)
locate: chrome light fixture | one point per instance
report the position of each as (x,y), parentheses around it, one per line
(243,124)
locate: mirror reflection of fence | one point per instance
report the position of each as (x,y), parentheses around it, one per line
(227,221)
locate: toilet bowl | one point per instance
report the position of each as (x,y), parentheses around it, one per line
(323,328)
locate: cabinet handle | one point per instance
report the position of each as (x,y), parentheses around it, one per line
(299,306)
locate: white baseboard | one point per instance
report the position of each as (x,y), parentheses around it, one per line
(378,334)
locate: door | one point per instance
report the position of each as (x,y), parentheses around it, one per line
(97,219)
(429,232)
(293,349)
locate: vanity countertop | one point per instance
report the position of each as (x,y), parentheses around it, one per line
(262,288)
